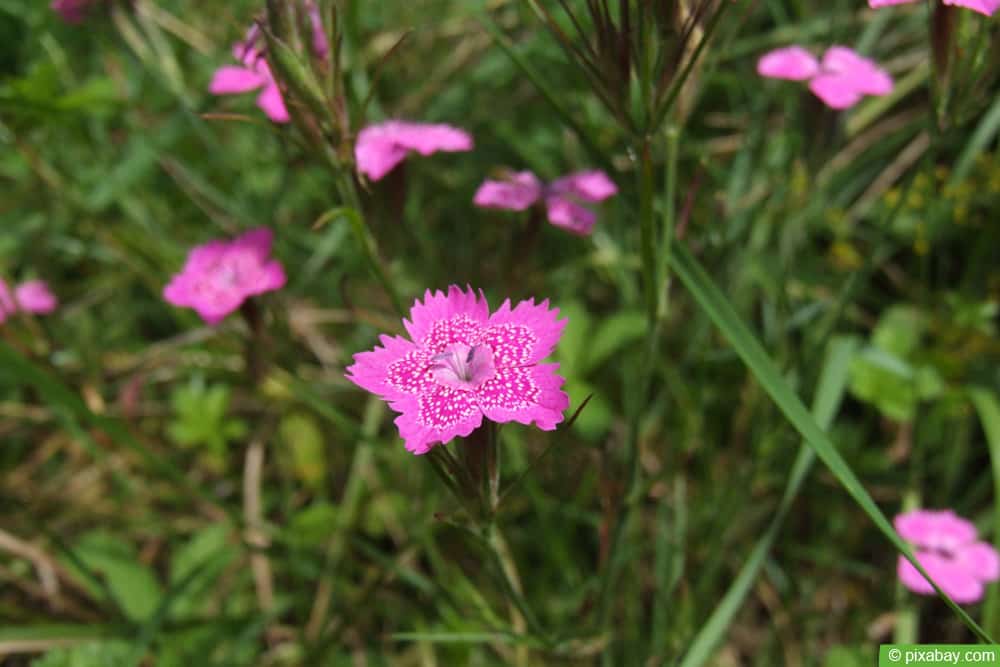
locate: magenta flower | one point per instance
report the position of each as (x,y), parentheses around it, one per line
(32,296)
(562,197)
(946,546)
(220,275)
(462,364)
(255,74)
(986,7)
(71,11)
(840,80)
(381,147)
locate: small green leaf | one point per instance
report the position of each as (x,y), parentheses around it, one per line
(304,440)
(611,336)
(132,582)
(91,654)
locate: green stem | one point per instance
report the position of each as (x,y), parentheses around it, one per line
(907,618)
(647,229)
(365,238)
(669,219)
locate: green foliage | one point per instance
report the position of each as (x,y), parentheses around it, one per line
(887,372)
(763,254)
(201,418)
(94,654)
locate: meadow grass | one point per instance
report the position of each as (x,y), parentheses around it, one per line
(175,493)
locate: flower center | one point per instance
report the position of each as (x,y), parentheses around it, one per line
(462,366)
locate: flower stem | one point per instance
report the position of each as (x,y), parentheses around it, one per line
(363,234)
(254,360)
(647,229)
(669,219)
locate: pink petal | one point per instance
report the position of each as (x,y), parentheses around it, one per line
(526,395)
(861,73)
(272,104)
(71,11)
(258,240)
(569,215)
(442,319)
(321,47)
(204,256)
(437,416)
(525,335)
(270,277)
(220,275)
(34,296)
(981,560)
(7,304)
(427,138)
(248,51)
(516,194)
(231,80)
(376,156)
(960,585)
(590,186)
(392,371)
(837,92)
(986,7)
(791,62)
(935,529)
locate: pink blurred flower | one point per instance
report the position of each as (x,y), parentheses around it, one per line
(946,546)
(71,11)
(255,74)
(462,364)
(841,79)
(218,276)
(562,197)
(32,296)
(381,147)
(986,7)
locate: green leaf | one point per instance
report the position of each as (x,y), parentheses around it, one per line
(207,553)
(718,308)
(303,439)
(595,420)
(612,335)
(899,331)
(132,582)
(93,654)
(313,525)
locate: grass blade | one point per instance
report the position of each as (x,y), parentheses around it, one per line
(832,382)
(746,345)
(988,407)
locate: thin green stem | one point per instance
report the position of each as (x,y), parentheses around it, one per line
(647,230)
(366,240)
(669,219)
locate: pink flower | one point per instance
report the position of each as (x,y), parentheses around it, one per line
(462,364)
(30,297)
(562,197)
(986,7)
(218,276)
(255,74)
(71,11)
(381,147)
(946,546)
(840,80)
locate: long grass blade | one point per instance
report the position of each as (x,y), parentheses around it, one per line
(746,345)
(832,383)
